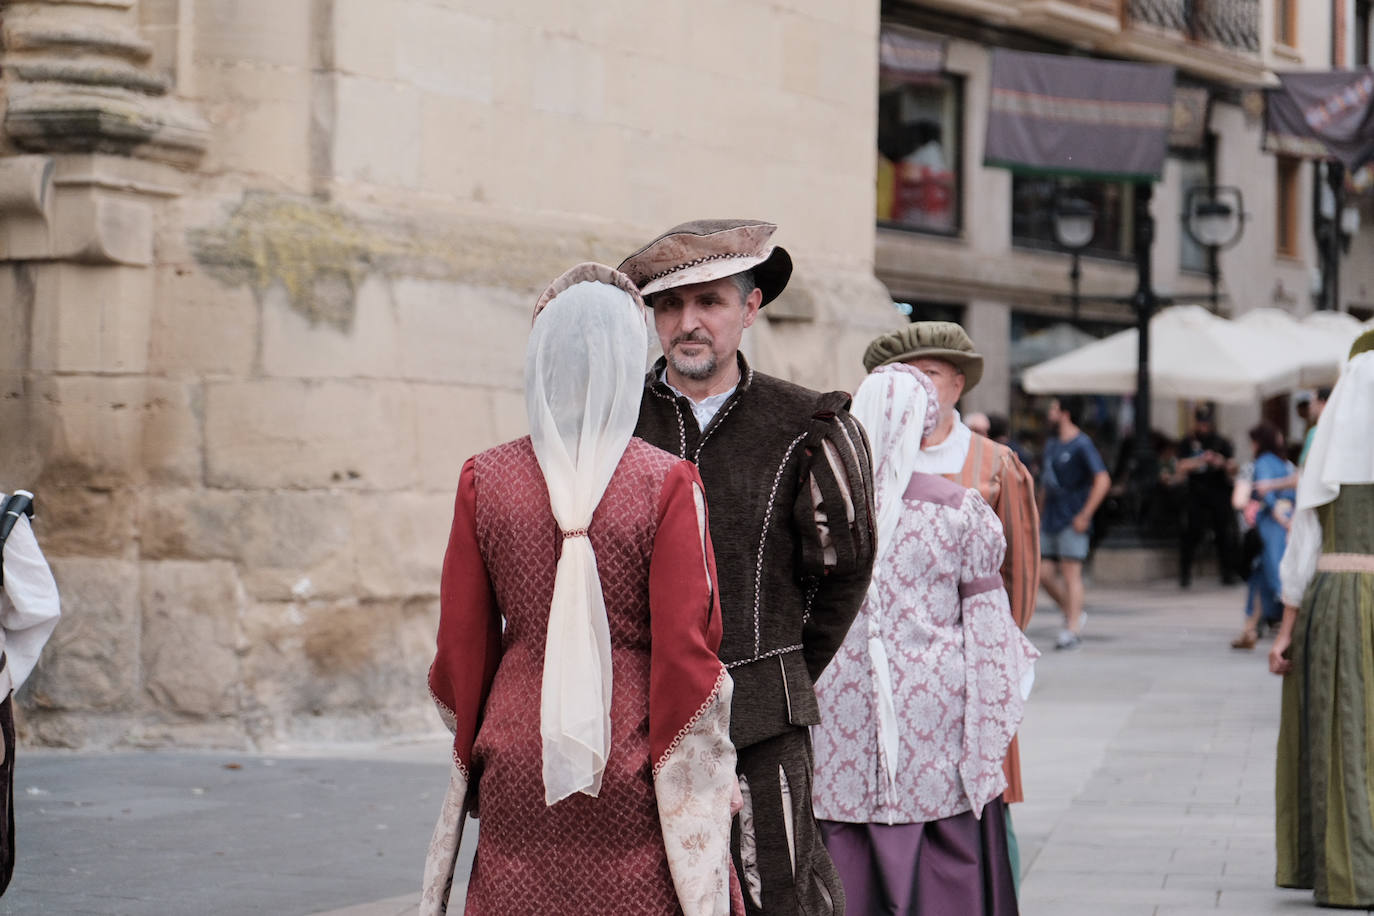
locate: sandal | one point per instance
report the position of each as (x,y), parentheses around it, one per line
(1245,640)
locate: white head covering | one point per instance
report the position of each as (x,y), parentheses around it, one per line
(1343,446)
(584,376)
(898,407)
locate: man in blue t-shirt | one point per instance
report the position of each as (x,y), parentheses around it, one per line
(1073,483)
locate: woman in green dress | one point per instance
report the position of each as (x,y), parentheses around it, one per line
(1325,651)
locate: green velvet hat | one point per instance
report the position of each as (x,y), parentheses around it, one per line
(933,339)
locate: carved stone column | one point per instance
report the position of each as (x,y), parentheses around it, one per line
(93,143)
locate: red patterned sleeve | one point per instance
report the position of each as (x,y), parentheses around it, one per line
(684,612)
(469,641)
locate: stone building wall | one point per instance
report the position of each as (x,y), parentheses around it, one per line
(266,271)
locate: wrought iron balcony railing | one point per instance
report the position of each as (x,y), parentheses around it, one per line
(1231,24)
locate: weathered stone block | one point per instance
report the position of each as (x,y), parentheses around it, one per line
(201,326)
(377,132)
(509,417)
(280,433)
(400,542)
(263,31)
(104,432)
(365,38)
(360,341)
(456,422)
(288,544)
(260,122)
(78,521)
(190,524)
(435,317)
(296,545)
(92,661)
(91,319)
(445,51)
(192,636)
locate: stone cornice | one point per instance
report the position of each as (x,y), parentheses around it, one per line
(84,85)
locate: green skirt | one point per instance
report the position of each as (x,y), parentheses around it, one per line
(1324,785)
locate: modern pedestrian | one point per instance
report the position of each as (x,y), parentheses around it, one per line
(1208,461)
(29,609)
(1073,483)
(924,697)
(787,472)
(1311,412)
(576,660)
(1324,831)
(1269,511)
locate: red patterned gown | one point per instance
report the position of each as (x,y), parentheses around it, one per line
(656,840)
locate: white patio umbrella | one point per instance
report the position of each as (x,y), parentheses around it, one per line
(1055,340)
(1319,349)
(1193,355)
(1340,329)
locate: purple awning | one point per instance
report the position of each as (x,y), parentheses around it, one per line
(1078,116)
(1326,115)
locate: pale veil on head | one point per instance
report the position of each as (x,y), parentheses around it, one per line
(584,376)
(1343,445)
(898,407)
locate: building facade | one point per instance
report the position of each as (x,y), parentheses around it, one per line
(268,268)
(984,250)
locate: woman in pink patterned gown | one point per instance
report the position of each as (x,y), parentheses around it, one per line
(576,660)
(924,696)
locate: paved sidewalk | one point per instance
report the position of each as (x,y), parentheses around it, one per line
(1149,762)
(1148,759)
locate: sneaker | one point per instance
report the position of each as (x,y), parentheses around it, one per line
(1067,639)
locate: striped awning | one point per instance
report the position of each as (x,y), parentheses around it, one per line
(1053,114)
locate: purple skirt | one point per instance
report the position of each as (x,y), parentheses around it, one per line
(956,866)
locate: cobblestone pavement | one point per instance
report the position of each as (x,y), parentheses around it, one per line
(1148,757)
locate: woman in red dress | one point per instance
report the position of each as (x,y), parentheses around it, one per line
(578,630)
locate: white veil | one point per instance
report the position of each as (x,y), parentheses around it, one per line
(584,376)
(898,407)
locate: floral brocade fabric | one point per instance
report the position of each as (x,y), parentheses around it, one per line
(956,660)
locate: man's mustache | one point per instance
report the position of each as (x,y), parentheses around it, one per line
(692,337)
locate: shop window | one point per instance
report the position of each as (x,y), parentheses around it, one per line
(1032,213)
(919,151)
(1286,209)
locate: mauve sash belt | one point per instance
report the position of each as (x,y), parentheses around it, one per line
(1346,562)
(978,586)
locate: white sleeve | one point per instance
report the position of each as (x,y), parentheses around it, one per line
(1300,557)
(29,605)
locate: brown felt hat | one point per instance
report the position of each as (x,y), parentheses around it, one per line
(928,339)
(709,249)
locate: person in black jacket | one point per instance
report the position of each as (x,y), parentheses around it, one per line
(788,480)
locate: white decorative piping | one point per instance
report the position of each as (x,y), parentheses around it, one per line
(691,723)
(720,418)
(763,538)
(677,412)
(449,717)
(769,654)
(692,263)
(462,768)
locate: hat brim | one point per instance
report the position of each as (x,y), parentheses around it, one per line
(771,273)
(970,364)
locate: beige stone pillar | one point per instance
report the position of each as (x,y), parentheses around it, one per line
(92,145)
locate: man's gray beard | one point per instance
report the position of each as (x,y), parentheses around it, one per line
(697,370)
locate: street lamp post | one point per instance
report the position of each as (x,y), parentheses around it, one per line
(1144,302)
(1214,218)
(1075,223)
